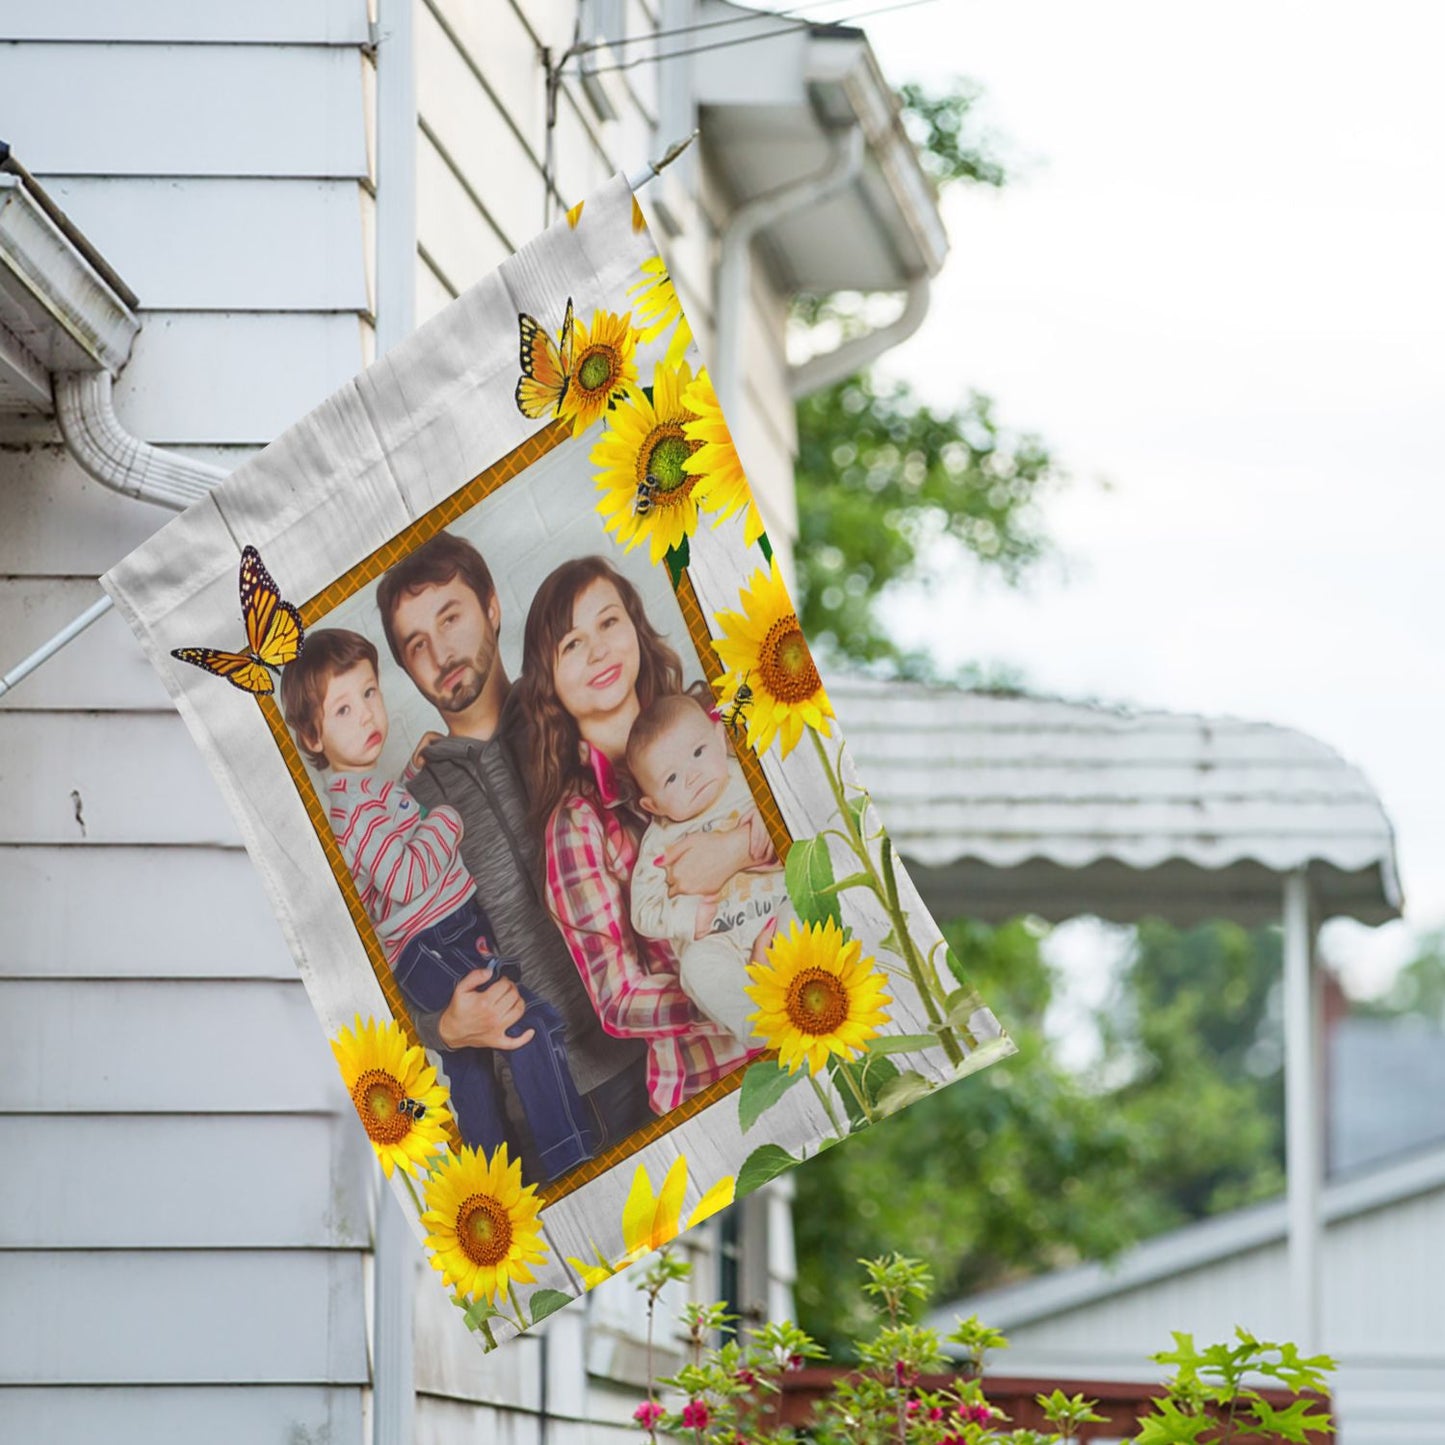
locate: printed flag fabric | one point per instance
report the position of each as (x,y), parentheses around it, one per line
(495,666)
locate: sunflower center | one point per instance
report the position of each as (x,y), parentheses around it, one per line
(817,1002)
(484,1230)
(659,463)
(598,369)
(377,1096)
(785,664)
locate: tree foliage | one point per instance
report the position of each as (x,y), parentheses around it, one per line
(1027,1167)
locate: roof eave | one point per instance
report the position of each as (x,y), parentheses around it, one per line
(57,313)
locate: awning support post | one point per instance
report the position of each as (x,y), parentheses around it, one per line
(1303,1124)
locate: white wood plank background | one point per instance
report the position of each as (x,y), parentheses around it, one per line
(163,1047)
(171,897)
(206,1317)
(226,243)
(107,110)
(168,1182)
(280,22)
(216,1414)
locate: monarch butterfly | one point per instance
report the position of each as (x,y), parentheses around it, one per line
(273,633)
(546,367)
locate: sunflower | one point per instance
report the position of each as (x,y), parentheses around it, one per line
(402,1106)
(816,996)
(482,1224)
(603,371)
(722,487)
(646,494)
(651,1218)
(574,214)
(658,307)
(770,674)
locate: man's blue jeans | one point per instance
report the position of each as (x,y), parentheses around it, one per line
(563,1134)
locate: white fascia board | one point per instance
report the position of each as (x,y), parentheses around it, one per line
(52,301)
(851,65)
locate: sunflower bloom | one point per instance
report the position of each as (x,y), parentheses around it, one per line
(603,370)
(402,1106)
(816,996)
(574,214)
(646,494)
(722,487)
(482,1223)
(658,308)
(651,1218)
(771,677)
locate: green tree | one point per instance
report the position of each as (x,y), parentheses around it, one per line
(1418,990)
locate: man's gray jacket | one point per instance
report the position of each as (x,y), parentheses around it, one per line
(481,780)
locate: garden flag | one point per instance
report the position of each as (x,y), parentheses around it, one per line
(494,663)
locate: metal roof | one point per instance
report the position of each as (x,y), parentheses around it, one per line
(1005,805)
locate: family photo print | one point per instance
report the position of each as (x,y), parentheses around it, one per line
(520,729)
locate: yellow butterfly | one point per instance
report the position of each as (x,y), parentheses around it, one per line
(273,633)
(546,367)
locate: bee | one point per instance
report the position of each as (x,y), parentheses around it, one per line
(646,491)
(741,699)
(413,1108)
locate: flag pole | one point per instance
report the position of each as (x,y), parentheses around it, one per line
(67,634)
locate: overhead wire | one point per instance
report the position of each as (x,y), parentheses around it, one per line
(750,39)
(788,13)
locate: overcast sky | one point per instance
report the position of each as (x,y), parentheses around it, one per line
(1216,283)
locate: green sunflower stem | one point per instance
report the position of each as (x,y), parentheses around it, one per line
(885,889)
(827,1104)
(411,1189)
(522,1315)
(859,1095)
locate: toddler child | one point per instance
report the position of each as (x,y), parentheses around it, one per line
(422,901)
(690,782)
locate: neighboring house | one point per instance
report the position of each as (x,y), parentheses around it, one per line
(258,197)
(1383,1301)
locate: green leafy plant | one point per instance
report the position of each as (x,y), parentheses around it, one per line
(730,1391)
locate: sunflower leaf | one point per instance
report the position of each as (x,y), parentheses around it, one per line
(476,1312)
(764,1163)
(546,1302)
(767,547)
(891,943)
(902,1043)
(872,1073)
(763,1085)
(858,807)
(961,1005)
(899,1093)
(677,559)
(807,873)
(955,966)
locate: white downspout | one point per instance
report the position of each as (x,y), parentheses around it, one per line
(734,260)
(94,436)
(852,356)
(393,1398)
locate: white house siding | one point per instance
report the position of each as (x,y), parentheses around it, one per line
(186,1209)
(1383,1285)
(185,1228)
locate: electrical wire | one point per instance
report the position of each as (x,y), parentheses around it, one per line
(791,12)
(749,39)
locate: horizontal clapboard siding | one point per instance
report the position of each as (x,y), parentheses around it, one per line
(227,243)
(184,1256)
(182,1414)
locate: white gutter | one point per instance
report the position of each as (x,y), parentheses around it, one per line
(853,355)
(734,262)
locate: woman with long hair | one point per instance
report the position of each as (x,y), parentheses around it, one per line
(591,661)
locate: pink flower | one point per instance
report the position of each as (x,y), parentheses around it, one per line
(795,1362)
(695,1415)
(745,1376)
(912,1408)
(648,1413)
(904,1373)
(936,1412)
(978,1414)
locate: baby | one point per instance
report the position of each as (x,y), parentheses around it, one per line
(678,756)
(422,902)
